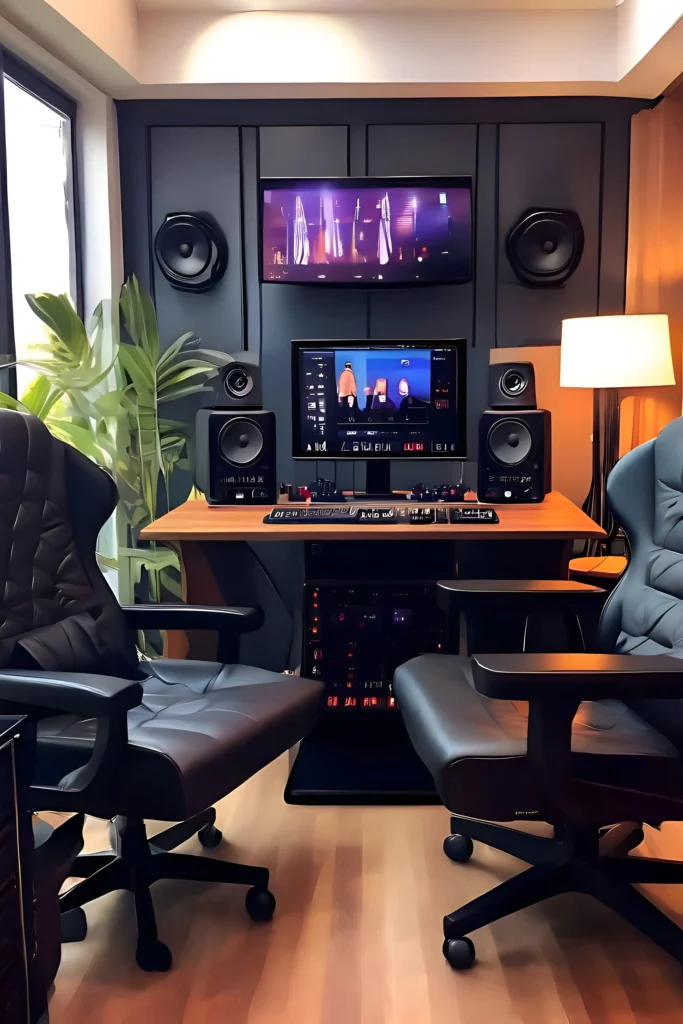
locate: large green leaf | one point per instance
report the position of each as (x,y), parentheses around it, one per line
(41,396)
(150,559)
(173,349)
(57,313)
(7,402)
(140,319)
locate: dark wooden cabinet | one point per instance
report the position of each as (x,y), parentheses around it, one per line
(15,884)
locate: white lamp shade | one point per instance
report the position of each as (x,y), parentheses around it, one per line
(616,352)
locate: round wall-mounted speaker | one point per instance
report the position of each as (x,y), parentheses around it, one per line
(191,250)
(240,442)
(545,247)
(510,442)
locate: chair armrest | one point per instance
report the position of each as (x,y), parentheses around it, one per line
(543,589)
(184,616)
(80,693)
(577,677)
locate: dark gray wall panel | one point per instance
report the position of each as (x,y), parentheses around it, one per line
(191,170)
(422,149)
(552,166)
(304,151)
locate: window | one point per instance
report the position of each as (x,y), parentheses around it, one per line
(39,128)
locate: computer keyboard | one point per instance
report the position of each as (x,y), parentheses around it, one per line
(385,515)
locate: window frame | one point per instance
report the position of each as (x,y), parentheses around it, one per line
(26,77)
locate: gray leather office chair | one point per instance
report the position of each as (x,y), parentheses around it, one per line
(118,738)
(580,741)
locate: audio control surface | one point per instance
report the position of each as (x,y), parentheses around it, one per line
(386,515)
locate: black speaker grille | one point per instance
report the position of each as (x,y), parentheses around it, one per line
(240,442)
(545,247)
(510,442)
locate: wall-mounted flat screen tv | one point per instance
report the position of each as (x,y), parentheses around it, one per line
(367,232)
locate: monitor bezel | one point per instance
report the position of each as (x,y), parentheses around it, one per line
(402,181)
(459,344)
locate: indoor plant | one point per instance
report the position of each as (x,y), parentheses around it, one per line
(103,394)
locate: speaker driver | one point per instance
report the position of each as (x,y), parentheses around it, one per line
(545,247)
(513,383)
(191,251)
(510,442)
(185,249)
(240,442)
(238,382)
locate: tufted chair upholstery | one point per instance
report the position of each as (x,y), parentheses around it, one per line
(56,610)
(644,614)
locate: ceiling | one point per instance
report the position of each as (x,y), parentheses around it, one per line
(367,6)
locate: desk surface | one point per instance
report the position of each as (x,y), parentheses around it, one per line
(556,518)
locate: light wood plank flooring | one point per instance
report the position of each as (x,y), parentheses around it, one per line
(356,938)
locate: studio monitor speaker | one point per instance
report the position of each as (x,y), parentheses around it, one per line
(236,460)
(512,386)
(191,250)
(239,382)
(545,247)
(514,456)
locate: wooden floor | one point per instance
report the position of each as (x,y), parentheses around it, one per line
(357,935)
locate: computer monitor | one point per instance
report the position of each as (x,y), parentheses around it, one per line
(379,400)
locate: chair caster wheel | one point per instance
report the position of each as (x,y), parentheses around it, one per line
(458,848)
(154,956)
(209,836)
(460,953)
(260,904)
(73,925)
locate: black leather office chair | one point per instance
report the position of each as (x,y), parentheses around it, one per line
(118,738)
(596,739)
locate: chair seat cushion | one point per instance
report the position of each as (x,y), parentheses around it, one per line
(202,729)
(475,747)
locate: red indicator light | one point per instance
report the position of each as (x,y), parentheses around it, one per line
(349,702)
(314,630)
(342,616)
(332,702)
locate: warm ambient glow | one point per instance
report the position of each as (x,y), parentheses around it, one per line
(616,352)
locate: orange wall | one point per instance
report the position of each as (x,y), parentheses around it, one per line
(655,254)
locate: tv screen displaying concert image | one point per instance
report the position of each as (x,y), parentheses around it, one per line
(379,400)
(367,231)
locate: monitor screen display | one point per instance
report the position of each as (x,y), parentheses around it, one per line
(367,231)
(374,399)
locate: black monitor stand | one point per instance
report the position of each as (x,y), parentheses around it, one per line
(378,480)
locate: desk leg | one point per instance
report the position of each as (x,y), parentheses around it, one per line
(198,587)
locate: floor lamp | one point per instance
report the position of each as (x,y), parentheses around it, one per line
(607,353)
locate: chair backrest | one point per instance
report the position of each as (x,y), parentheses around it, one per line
(644,614)
(57,611)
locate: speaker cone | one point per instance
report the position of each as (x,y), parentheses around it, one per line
(545,247)
(240,442)
(191,251)
(513,383)
(510,442)
(238,382)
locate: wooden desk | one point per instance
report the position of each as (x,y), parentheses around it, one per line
(229,557)
(556,518)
